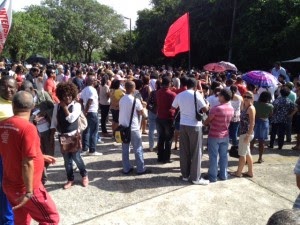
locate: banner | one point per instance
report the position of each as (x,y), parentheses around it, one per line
(5,21)
(178,37)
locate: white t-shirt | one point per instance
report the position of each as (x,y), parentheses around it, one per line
(126,104)
(213,100)
(60,78)
(261,89)
(87,93)
(186,103)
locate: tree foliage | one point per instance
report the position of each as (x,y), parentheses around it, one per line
(265,31)
(29,34)
(71,29)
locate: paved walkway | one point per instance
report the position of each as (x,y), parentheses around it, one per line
(162,198)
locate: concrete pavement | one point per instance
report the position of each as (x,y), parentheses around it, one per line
(163,198)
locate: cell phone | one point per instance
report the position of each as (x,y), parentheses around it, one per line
(36,112)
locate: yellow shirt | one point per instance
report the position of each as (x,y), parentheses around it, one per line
(116,95)
(6,110)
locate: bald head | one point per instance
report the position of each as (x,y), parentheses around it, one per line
(129,87)
(26,86)
(22,102)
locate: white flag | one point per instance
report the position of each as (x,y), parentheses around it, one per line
(5,21)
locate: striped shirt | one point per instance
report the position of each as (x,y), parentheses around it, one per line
(297,172)
(222,116)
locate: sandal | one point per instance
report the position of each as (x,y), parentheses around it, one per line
(247,175)
(234,174)
(260,161)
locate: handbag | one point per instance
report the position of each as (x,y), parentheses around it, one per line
(122,133)
(233,152)
(199,116)
(70,143)
(82,122)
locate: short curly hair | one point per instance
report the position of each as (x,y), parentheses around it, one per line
(66,89)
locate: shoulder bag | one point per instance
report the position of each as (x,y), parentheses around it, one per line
(199,116)
(122,133)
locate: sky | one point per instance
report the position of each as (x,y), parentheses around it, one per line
(127,8)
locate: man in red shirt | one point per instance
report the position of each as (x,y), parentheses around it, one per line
(23,165)
(164,120)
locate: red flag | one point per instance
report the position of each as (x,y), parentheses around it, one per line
(178,37)
(5,21)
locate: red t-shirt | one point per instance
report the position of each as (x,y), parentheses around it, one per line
(165,98)
(222,116)
(18,140)
(50,87)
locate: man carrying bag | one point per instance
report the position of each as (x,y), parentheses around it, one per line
(130,112)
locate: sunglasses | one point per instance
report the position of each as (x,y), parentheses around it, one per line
(248,97)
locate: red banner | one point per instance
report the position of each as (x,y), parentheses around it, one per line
(178,37)
(5,21)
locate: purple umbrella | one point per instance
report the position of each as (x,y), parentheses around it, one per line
(228,65)
(260,78)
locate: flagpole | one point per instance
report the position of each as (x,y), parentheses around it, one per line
(189,42)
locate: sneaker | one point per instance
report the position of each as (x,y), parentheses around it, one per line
(95,153)
(85,181)
(99,141)
(201,182)
(129,171)
(186,179)
(68,184)
(84,153)
(146,171)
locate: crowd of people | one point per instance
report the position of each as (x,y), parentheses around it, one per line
(181,106)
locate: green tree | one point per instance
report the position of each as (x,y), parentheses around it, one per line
(82,27)
(29,34)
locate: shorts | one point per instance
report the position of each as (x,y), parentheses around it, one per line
(261,129)
(244,149)
(115,115)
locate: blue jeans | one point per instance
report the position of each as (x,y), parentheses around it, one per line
(6,213)
(217,146)
(152,128)
(136,141)
(89,135)
(233,132)
(68,159)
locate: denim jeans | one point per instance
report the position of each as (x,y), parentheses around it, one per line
(152,128)
(6,213)
(89,135)
(136,141)
(165,131)
(104,115)
(217,146)
(233,132)
(76,157)
(279,129)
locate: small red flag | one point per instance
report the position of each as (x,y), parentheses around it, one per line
(178,37)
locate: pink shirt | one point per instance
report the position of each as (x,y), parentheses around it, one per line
(222,116)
